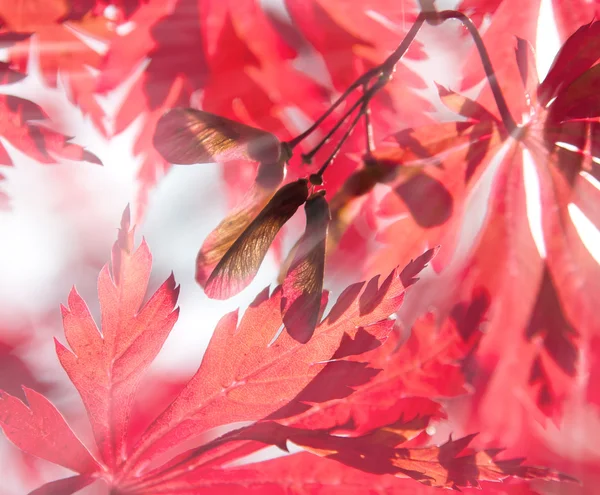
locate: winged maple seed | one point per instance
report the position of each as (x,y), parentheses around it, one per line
(232,253)
(240,263)
(244,376)
(187,136)
(303,284)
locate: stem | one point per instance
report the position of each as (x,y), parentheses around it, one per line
(368,127)
(507,118)
(365,78)
(387,68)
(308,156)
(363,102)
(341,142)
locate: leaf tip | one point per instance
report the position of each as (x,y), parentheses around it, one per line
(126,218)
(90,157)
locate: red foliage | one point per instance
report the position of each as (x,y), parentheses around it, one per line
(554,308)
(245,377)
(511,339)
(31,138)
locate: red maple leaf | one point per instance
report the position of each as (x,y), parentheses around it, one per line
(305,473)
(509,19)
(62,30)
(228,56)
(553,312)
(106,368)
(23,127)
(353,40)
(244,376)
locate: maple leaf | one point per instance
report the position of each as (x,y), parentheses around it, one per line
(507,19)
(343,395)
(22,126)
(237,61)
(377,384)
(105,367)
(62,30)
(256,382)
(23,123)
(450,465)
(408,376)
(352,41)
(304,473)
(378,419)
(562,275)
(257,378)
(379,451)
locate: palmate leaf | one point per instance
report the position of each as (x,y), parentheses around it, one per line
(305,474)
(58,24)
(369,385)
(22,126)
(243,376)
(236,60)
(353,40)
(365,418)
(553,313)
(509,19)
(451,465)
(379,452)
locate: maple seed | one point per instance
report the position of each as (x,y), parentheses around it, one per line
(303,285)
(186,136)
(218,242)
(242,260)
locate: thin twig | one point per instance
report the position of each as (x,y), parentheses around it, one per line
(507,118)
(306,158)
(370,143)
(338,146)
(388,67)
(365,100)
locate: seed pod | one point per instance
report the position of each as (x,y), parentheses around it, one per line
(239,265)
(186,136)
(303,284)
